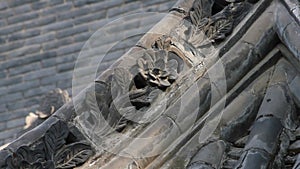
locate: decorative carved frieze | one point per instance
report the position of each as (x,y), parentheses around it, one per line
(211,28)
(136,89)
(256,127)
(156,70)
(56,149)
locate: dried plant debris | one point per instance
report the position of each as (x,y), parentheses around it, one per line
(50,103)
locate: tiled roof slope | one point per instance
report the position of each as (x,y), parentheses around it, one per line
(40,41)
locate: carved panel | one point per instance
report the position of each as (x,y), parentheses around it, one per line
(211,28)
(258,129)
(135,90)
(56,149)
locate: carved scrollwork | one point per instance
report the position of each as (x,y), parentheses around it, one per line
(53,150)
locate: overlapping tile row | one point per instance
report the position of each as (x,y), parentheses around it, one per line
(237,151)
(263,133)
(167,104)
(178,122)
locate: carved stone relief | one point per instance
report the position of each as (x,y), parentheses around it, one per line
(259,127)
(57,148)
(204,27)
(135,90)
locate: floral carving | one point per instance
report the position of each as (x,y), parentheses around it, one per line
(156,70)
(72,155)
(133,94)
(201,9)
(51,151)
(215,27)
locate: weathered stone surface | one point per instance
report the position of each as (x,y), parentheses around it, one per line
(182,6)
(288,29)
(254,152)
(242,141)
(210,154)
(235,153)
(275,103)
(283,74)
(293,6)
(229,164)
(182,130)
(297,163)
(292,35)
(294,87)
(265,139)
(181,158)
(255,159)
(273,117)
(295,147)
(239,127)
(282,18)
